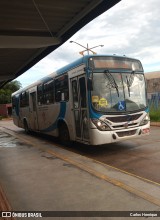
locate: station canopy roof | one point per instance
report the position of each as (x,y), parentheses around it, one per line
(31,29)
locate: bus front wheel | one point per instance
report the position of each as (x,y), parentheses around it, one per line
(64,134)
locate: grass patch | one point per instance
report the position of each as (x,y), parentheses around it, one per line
(154,114)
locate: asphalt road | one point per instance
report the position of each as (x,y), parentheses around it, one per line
(139,156)
(38,173)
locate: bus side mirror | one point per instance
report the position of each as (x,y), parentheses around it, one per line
(90,84)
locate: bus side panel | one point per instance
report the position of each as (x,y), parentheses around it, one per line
(47,118)
(69,119)
(16,110)
(15,118)
(23,114)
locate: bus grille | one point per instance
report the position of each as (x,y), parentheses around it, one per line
(123,126)
(126,133)
(124,118)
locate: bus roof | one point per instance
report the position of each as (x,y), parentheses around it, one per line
(66,68)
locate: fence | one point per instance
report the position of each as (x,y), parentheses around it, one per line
(154,101)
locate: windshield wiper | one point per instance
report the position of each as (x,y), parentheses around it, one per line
(111,80)
(130,81)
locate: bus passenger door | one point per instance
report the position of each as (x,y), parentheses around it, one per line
(33,112)
(80,108)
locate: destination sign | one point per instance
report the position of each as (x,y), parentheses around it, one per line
(115,63)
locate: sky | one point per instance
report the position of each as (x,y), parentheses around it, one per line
(131,28)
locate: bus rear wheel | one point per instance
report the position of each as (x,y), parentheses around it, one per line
(64,134)
(26,128)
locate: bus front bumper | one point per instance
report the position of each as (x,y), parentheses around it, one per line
(98,137)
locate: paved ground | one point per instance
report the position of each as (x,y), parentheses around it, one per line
(39,176)
(140,156)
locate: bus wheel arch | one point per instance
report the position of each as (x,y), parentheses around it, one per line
(26,127)
(63,132)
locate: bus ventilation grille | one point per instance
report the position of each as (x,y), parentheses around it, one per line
(124,118)
(126,133)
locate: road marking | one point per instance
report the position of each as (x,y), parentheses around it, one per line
(115,168)
(98,174)
(130,174)
(108,179)
(4,204)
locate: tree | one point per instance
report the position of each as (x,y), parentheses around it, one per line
(7,90)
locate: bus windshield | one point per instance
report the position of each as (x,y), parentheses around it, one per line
(118,92)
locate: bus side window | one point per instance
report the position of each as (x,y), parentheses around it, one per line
(27,98)
(13,102)
(75,93)
(48,92)
(24,99)
(40,94)
(83,92)
(61,89)
(21,100)
(45,93)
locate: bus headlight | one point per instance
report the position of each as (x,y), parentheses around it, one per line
(100,125)
(145,120)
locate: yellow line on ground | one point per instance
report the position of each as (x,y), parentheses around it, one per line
(100,175)
(4,204)
(108,179)
(115,168)
(130,174)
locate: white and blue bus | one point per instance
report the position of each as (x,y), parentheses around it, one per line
(96,100)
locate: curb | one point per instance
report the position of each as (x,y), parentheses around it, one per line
(155,124)
(6,119)
(4,204)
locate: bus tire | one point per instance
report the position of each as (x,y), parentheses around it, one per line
(26,128)
(64,134)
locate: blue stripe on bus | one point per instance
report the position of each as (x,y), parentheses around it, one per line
(93,114)
(45,79)
(60,116)
(147,110)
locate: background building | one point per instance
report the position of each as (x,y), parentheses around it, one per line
(6,110)
(153,89)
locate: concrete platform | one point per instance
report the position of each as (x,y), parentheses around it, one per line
(38,176)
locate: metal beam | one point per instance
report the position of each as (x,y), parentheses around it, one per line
(27,41)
